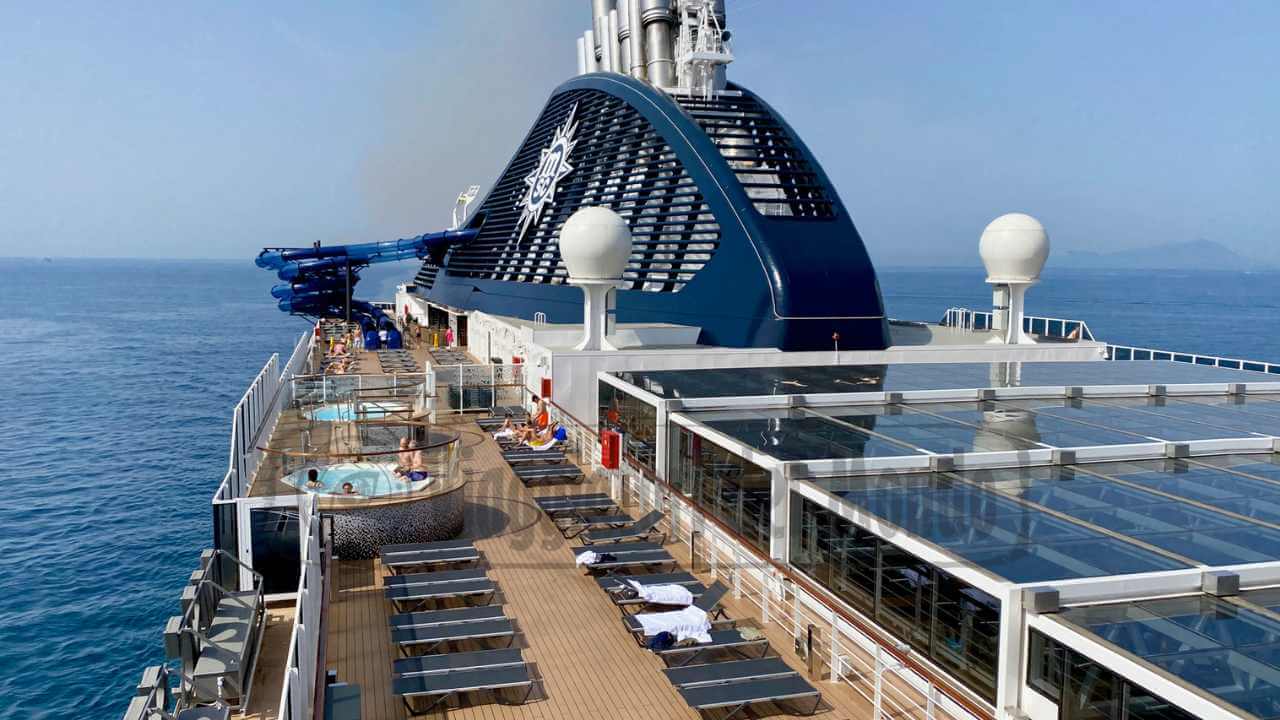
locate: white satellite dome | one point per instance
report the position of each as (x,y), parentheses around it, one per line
(595,244)
(1014,248)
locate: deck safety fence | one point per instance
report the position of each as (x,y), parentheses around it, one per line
(298,691)
(837,650)
(254,417)
(478,386)
(967,319)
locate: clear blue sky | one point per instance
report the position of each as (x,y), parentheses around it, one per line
(211,129)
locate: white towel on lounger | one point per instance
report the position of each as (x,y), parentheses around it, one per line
(587,558)
(686,623)
(663,594)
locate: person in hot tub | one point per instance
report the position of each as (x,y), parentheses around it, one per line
(404,458)
(313,478)
(348,489)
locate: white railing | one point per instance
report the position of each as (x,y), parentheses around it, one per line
(871,666)
(254,418)
(973,320)
(298,691)
(1127,352)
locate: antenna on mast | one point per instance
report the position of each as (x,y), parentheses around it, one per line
(465,198)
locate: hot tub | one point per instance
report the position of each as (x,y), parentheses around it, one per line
(347,412)
(369,480)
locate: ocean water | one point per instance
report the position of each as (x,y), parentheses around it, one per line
(120,381)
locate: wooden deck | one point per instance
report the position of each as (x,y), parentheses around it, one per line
(589,665)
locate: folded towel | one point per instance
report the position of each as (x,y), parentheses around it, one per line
(586,558)
(663,594)
(690,622)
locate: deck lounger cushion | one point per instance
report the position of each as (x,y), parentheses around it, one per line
(428,637)
(439,576)
(617,548)
(615,582)
(400,561)
(441,686)
(753,669)
(545,500)
(573,526)
(440,617)
(641,528)
(418,594)
(739,695)
(455,661)
(546,456)
(577,506)
(546,472)
(630,560)
(730,639)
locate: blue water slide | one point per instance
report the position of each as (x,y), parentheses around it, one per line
(317,281)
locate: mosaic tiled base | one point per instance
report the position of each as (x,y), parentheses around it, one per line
(359,532)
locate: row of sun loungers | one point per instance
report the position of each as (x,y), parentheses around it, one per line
(731,686)
(397,361)
(425,678)
(532,465)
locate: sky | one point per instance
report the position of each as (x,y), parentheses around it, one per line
(209,130)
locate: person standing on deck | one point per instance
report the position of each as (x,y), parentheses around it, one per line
(448,337)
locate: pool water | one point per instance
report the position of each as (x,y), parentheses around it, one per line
(368,479)
(344,412)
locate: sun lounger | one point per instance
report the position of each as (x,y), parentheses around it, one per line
(636,604)
(442,686)
(407,596)
(645,558)
(426,578)
(576,525)
(641,529)
(567,504)
(401,561)
(729,639)
(455,661)
(530,456)
(614,582)
(737,696)
(442,617)
(425,638)
(419,547)
(539,473)
(621,548)
(708,602)
(732,671)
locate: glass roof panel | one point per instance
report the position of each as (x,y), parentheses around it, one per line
(1234,418)
(785,436)
(743,382)
(1047,430)
(1222,648)
(1110,416)
(1008,538)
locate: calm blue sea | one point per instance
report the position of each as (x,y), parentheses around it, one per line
(119,380)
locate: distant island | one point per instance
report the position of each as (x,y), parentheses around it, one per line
(1195,255)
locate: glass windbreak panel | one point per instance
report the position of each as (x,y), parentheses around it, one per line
(1113,417)
(1000,534)
(934,433)
(1227,418)
(635,419)
(1224,649)
(1094,691)
(724,485)
(1139,372)
(905,605)
(997,421)
(950,621)
(803,435)
(966,633)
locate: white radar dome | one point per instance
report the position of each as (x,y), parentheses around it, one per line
(595,244)
(1014,248)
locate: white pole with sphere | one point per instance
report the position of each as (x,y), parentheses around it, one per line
(595,244)
(1014,248)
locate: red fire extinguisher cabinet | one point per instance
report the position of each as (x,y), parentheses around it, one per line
(610,448)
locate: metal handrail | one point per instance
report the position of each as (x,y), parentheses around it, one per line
(1123,353)
(972,320)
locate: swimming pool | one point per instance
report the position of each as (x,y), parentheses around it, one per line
(343,412)
(370,480)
